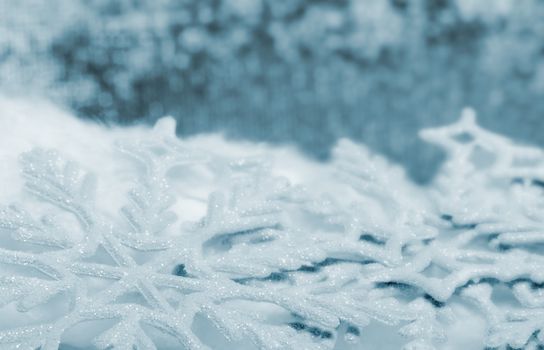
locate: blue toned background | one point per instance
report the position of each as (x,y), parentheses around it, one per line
(303,72)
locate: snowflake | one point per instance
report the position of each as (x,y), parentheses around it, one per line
(271,264)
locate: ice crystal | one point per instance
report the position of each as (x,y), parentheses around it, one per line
(274,264)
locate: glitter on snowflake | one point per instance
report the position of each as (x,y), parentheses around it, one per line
(274,264)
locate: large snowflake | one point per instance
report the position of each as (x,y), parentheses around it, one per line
(272,265)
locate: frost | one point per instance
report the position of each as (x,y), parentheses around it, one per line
(275,263)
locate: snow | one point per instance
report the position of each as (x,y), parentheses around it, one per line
(121,237)
(309,71)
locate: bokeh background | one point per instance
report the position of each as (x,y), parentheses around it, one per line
(301,72)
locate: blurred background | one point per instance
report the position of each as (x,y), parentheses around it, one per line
(301,72)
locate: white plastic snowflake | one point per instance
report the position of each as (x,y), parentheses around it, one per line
(273,265)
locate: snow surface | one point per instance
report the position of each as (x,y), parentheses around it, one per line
(286,71)
(131,237)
